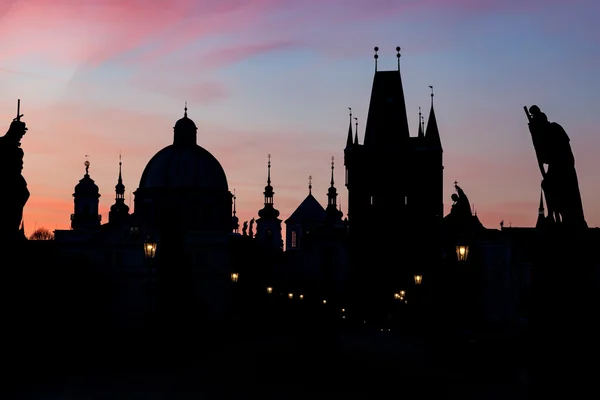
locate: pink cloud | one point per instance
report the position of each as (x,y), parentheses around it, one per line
(235,54)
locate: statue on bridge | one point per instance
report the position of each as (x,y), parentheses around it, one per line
(12,183)
(559,180)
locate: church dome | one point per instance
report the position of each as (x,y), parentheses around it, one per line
(184,164)
(179,167)
(184,182)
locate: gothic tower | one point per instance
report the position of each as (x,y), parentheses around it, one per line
(395,193)
(268,225)
(86,199)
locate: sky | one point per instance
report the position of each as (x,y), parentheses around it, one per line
(105,78)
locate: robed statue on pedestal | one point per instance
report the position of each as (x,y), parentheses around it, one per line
(559,179)
(13,187)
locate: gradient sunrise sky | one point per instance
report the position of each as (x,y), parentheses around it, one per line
(103,77)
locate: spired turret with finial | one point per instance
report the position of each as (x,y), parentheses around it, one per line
(119,211)
(235,221)
(332,212)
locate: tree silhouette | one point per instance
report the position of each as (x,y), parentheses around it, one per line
(42,234)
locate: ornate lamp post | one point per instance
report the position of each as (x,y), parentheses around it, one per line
(150,246)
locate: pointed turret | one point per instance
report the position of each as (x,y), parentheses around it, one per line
(119,211)
(333,214)
(387,122)
(268,225)
(349,138)
(432,134)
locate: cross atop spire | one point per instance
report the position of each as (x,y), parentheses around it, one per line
(185,110)
(310,184)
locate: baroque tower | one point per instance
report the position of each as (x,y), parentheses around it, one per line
(86,199)
(268,225)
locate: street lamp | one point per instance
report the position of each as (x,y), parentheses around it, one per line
(418,279)
(234,276)
(291,295)
(462,252)
(269,289)
(402,293)
(324,301)
(149,254)
(150,248)
(301,296)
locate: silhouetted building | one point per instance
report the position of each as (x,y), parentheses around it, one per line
(86,199)
(395,195)
(268,225)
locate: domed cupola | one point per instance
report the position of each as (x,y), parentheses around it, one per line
(184,131)
(86,200)
(185,181)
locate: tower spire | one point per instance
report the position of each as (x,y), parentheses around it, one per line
(332,167)
(234,197)
(349,138)
(432,134)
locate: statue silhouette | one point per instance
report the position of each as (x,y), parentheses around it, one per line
(245,228)
(559,180)
(252,227)
(461,207)
(460,218)
(14,187)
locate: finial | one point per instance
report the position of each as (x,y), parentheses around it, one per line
(234,211)
(120,158)
(87,165)
(185,110)
(419,114)
(431,87)
(398,56)
(269,169)
(332,167)
(376,57)
(310,184)
(350,109)
(356,124)
(455,183)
